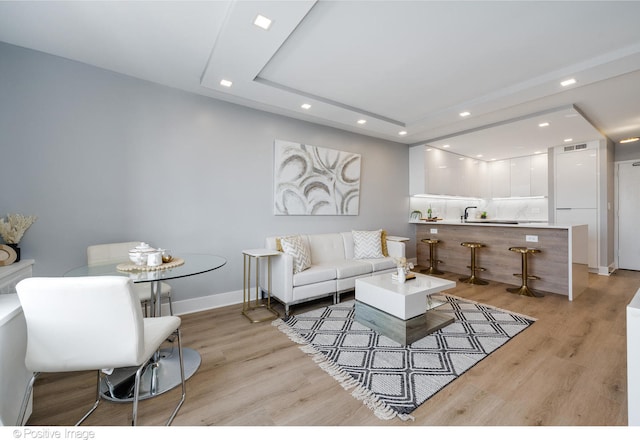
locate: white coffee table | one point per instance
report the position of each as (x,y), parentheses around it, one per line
(403,312)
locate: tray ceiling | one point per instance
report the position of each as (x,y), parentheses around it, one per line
(400,66)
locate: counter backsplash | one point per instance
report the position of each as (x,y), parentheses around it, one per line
(453,209)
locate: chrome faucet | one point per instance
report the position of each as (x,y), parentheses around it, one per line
(466,214)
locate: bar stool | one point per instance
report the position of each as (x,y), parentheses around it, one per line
(473,279)
(433,261)
(524,288)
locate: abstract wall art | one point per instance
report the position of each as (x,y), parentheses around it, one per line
(312,180)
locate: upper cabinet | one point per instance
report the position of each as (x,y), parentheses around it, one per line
(540,175)
(438,172)
(500,178)
(520,177)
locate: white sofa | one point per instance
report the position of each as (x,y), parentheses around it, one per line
(333,269)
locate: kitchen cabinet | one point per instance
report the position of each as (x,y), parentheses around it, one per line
(520,176)
(438,172)
(540,175)
(577,179)
(576,191)
(501,178)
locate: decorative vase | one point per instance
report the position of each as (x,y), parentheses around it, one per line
(402,275)
(15,248)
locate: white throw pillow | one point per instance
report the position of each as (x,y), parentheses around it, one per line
(298,249)
(367,244)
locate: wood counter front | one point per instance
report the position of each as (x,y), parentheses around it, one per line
(557,266)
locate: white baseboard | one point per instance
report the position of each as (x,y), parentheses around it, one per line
(203,303)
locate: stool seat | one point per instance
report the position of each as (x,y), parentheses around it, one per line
(472,244)
(524,250)
(524,288)
(433,261)
(473,278)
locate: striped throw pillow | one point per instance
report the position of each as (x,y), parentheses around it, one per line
(367,244)
(298,249)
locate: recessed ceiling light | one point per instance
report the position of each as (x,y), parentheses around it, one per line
(568,139)
(262,22)
(402,133)
(306,106)
(478,155)
(226,83)
(362,121)
(543,124)
(537,152)
(428,149)
(627,140)
(465,114)
(445,146)
(568,82)
(461,158)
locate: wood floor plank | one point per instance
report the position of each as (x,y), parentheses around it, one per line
(568,368)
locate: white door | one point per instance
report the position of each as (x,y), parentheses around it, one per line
(628,216)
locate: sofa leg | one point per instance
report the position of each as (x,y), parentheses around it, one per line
(286,311)
(336,298)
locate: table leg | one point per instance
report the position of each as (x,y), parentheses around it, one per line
(246,290)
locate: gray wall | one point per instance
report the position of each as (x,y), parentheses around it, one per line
(101,157)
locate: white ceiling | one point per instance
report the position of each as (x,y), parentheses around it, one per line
(411,66)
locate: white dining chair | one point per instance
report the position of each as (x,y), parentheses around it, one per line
(91,323)
(112,253)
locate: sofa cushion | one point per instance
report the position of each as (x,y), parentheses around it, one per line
(379,264)
(367,244)
(351,268)
(315,274)
(299,250)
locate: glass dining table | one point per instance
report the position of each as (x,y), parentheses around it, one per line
(163,373)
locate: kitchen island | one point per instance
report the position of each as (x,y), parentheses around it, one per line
(562,264)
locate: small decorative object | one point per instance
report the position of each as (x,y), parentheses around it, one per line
(484,214)
(166,255)
(139,255)
(429,213)
(13,228)
(404,268)
(416,215)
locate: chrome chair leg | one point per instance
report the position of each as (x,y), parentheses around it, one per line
(97,402)
(184,389)
(25,399)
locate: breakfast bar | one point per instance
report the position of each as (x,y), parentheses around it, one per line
(561,265)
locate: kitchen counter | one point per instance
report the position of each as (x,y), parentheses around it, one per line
(505,222)
(561,264)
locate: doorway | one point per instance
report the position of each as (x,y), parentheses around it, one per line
(628,210)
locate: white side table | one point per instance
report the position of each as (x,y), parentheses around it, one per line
(14,376)
(12,274)
(247,306)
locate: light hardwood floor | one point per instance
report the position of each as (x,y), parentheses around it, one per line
(567,369)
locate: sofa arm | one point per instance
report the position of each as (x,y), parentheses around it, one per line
(396,249)
(281,277)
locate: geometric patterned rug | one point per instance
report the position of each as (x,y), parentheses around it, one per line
(390,378)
